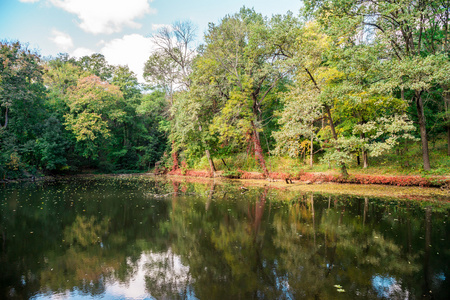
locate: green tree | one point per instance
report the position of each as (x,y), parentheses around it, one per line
(21,82)
(409,36)
(195,109)
(97,65)
(169,66)
(93,105)
(53,145)
(237,46)
(311,96)
(152,110)
(22,94)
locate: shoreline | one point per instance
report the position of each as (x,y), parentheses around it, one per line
(318,184)
(364,190)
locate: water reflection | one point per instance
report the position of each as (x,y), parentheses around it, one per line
(138,238)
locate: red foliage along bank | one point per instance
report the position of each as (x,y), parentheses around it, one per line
(320,178)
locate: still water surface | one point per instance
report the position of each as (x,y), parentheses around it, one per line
(137,238)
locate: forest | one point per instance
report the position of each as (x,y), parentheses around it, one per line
(345,85)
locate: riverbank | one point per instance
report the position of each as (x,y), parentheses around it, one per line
(404,187)
(415,193)
(364,190)
(442,182)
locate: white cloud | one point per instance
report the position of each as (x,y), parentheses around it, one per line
(132,50)
(28,1)
(106,16)
(62,40)
(80,52)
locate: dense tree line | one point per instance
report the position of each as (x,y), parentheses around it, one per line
(65,115)
(344,80)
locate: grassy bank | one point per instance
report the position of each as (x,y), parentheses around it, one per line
(400,167)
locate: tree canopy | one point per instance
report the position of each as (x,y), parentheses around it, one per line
(341,80)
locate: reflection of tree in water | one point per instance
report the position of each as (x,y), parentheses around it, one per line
(72,247)
(318,253)
(309,248)
(222,242)
(85,264)
(86,231)
(213,242)
(166,277)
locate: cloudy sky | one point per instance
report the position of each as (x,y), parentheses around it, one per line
(118,29)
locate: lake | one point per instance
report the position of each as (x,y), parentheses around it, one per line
(146,238)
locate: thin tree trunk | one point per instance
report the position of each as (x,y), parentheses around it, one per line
(258,150)
(330,118)
(223,161)
(365,159)
(423,131)
(364,153)
(211,163)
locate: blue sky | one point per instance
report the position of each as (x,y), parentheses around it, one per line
(119,29)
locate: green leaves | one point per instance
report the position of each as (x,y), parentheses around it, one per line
(93,104)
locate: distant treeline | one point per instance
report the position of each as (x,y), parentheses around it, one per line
(343,79)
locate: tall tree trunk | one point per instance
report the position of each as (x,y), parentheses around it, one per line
(258,150)
(423,131)
(364,154)
(211,163)
(365,159)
